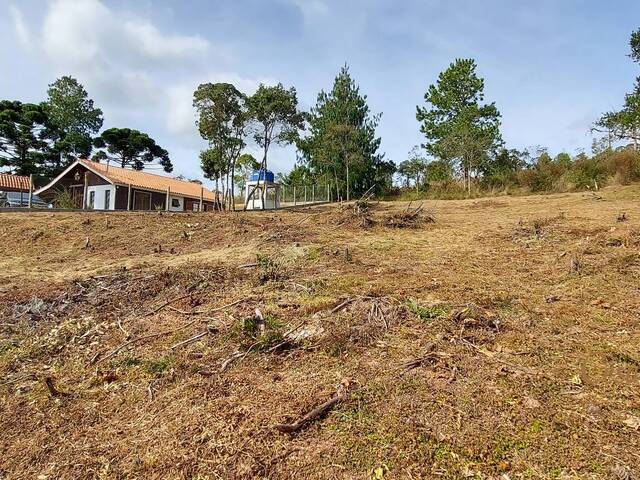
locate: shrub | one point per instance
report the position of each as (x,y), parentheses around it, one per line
(587,172)
(623,166)
(64,199)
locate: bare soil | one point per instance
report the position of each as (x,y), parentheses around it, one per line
(501,340)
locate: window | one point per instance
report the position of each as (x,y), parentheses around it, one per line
(107,199)
(175,203)
(196,207)
(92,199)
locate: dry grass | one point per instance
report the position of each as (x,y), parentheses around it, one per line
(500,340)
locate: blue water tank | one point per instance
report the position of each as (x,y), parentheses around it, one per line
(260,175)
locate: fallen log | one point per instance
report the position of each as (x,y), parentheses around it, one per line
(317,413)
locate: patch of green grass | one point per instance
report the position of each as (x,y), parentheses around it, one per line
(503,300)
(313,253)
(7,346)
(505,446)
(536,426)
(159,365)
(269,269)
(132,362)
(424,312)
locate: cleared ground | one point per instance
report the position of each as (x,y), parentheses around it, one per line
(500,341)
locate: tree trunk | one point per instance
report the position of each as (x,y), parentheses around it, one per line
(233,192)
(347,162)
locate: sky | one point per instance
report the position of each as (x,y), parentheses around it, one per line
(551,66)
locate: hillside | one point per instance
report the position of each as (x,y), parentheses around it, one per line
(501,340)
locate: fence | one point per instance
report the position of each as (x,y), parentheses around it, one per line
(295,195)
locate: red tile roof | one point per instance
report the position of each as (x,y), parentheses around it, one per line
(151,181)
(14,182)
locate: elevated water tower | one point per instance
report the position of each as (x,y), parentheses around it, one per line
(259,180)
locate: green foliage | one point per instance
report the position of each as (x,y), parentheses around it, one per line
(587,172)
(299,176)
(426,313)
(275,116)
(132,148)
(457,125)
(634,43)
(159,365)
(212,163)
(269,269)
(25,133)
(624,124)
(502,170)
(414,169)
(245,164)
(342,146)
(64,199)
(71,112)
(222,120)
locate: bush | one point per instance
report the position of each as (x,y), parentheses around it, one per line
(623,166)
(64,199)
(587,172)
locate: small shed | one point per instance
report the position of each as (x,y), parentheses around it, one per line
(259,181)
(14,183)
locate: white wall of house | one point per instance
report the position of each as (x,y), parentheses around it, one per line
(176,204)
(99,195)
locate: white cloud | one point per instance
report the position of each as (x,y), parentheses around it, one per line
(150,42)
(87,33)
(22,31)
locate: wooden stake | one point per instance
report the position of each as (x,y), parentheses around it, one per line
(30,191)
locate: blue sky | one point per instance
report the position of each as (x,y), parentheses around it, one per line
(551,66)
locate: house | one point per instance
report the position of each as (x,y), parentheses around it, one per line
(100,186)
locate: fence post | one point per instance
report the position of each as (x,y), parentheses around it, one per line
(305,194)
(313,193)
(30,191)
(283,198)
(294,195)
(328,194)
(85,194)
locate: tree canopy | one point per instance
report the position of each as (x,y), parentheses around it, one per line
(24,137)
(624,124)
(275,118)
(132,148)
(222,120)
(75,120)
(342,144)
(456,122)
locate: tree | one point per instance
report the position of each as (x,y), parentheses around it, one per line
(132,148)
(24,138)
(624,124)
(213,165)
(222,120)
(342,142)
(275,120)
(457,124)
(502,170)
(414,168)
(245,164)
(71,112)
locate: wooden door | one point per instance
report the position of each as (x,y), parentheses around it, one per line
(141,201)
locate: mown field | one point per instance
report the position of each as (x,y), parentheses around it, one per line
(501,340)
